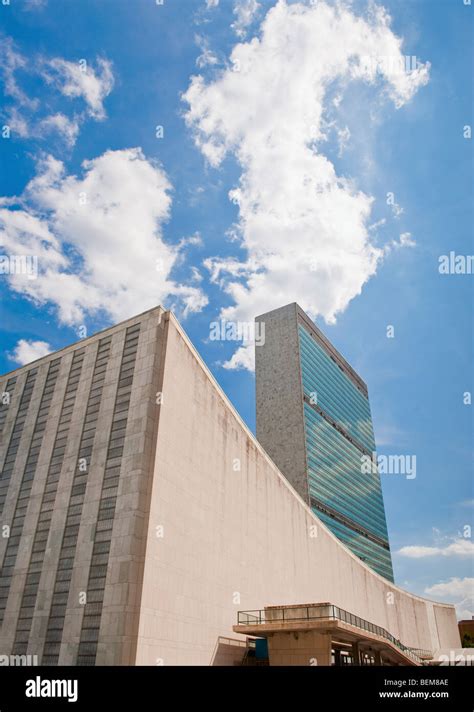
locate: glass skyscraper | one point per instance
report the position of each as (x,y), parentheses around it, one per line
(314,420)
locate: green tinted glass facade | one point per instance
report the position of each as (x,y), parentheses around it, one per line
(338,433)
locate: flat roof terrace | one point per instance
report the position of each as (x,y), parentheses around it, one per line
(329,626)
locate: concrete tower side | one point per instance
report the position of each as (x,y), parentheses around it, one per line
(279,396)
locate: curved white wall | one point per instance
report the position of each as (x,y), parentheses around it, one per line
(238,540)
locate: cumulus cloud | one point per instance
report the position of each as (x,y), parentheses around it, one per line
(303,228)
(80,79)
(58,124)
(26,351)
(459,547)
(23,115)
(459,591)
(97,237)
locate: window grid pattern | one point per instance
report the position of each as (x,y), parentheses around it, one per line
(57,614)
(15,437)
(26,484)
(336,393)
(369,552)
(335,476)
(30,590)
(339,432)
(9,388)
(87,651)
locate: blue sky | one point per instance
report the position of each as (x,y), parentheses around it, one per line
(349,181)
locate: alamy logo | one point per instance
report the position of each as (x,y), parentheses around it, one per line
(456,264)
(455,658)
(246,331)
(389,465)
(19,264)
(391,65)
(52,688)
(18,660)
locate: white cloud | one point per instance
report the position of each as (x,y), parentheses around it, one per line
(343,136)
(17,123)
(58,123)
(245,11)
(303,227)
(243,358)
(11,62)
(211,3)
(194,239)
(67,128)
(26,351)
(98,238)
(453,588)
(379,223)
(73,80)
(459,547)
(405,240)
(459,591)
(80,79)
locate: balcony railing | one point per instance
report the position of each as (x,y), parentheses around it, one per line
(317,612)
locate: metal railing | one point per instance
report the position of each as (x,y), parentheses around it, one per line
(317,612)
(422,653)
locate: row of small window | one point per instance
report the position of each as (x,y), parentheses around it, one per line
(69,543)
(95,395)
(63,577)
(71,386)
(9,388)
(20,419)
(103,532)
(41,419)
(57,458)
(100,367)
(23,409)
(24,622)
(20,510)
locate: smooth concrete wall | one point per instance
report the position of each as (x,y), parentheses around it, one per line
(304,648)
(223,539)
